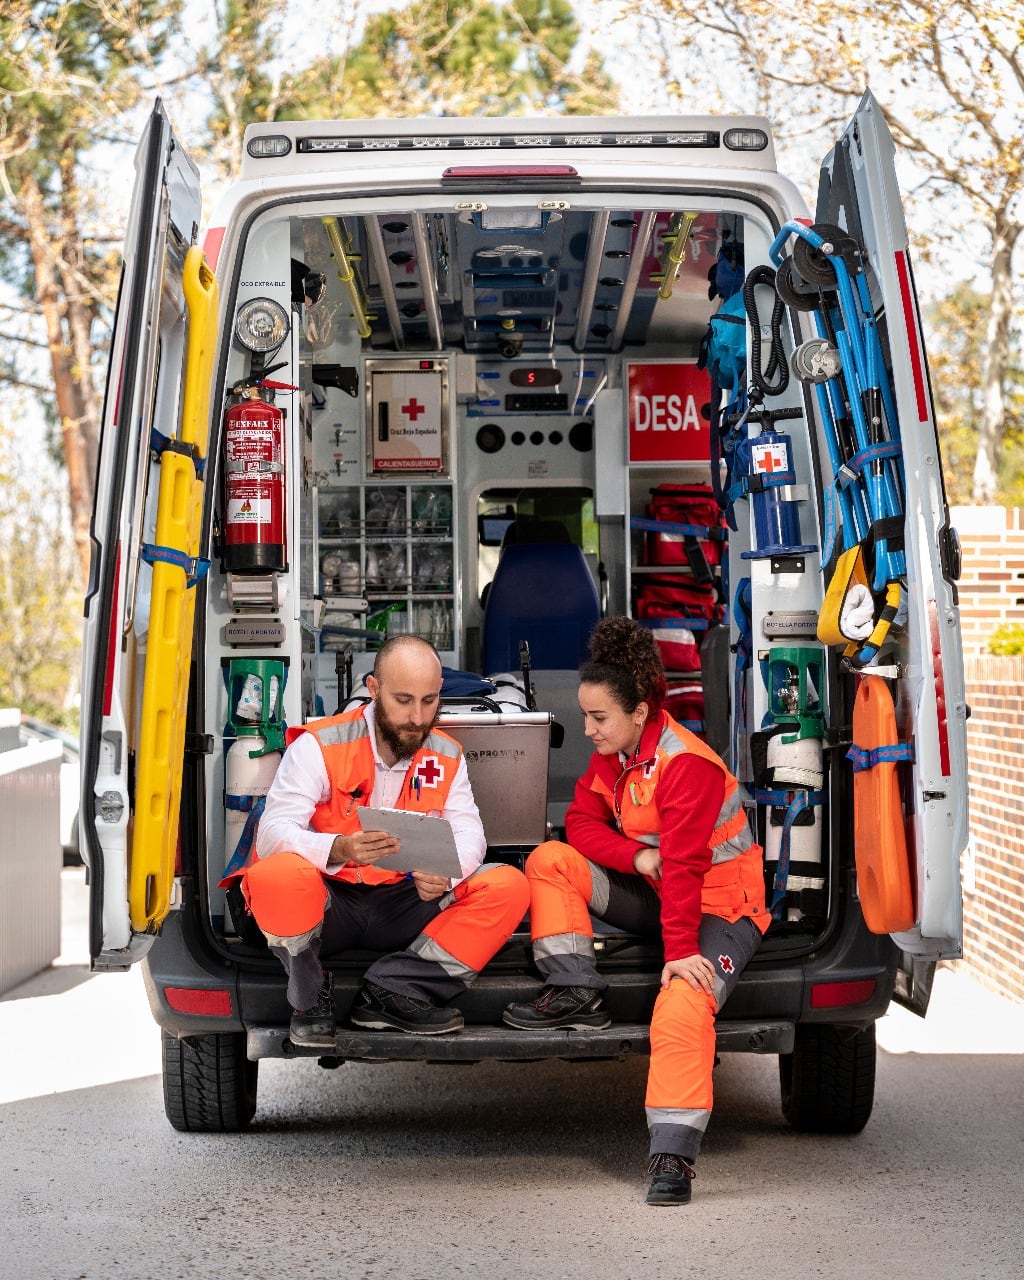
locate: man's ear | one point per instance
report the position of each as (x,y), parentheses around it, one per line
(373,685)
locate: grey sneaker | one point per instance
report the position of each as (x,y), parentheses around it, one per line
(315,1028)
(377,1009)
(575,1007)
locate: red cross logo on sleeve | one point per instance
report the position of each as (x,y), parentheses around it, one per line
(726,965)
(429,772)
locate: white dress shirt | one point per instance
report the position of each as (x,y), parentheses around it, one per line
(301,783)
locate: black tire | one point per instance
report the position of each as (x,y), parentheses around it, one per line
(209,1083)
(828,1081)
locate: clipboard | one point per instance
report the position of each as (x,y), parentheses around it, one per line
(428,844)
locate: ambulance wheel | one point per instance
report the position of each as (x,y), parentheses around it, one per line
(209,1083)
(828,1081)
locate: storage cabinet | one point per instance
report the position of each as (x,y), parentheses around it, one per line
(389,545)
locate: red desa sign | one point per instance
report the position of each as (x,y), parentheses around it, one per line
(666,401)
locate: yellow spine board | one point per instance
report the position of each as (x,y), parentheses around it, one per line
(161,748)
(880,839)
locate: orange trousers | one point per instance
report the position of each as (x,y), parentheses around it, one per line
(436,949)
(565,891)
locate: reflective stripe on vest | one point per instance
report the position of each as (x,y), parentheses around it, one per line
(638,814)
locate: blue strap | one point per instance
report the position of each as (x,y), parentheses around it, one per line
(255,805)
(862,758)
(744,646)
(195,568)
(796,802)
(160,444)
(666,526)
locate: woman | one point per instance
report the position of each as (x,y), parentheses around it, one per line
(657,837)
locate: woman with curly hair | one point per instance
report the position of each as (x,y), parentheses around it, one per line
(657,841)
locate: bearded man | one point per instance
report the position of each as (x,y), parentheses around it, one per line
(320,884)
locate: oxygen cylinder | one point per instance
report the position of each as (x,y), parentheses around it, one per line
(771,486)
(795,765)
(791,779)
(255,687)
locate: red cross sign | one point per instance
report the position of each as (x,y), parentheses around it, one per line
(725,964)
(429,771)
(413,409)
(769,458)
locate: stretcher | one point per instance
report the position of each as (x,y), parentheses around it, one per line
(174,556)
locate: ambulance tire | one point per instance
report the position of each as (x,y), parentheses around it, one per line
(828,1081)
(209,1083)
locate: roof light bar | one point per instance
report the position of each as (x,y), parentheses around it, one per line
(696,138)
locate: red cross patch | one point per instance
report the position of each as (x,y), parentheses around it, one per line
(429,771)
(726,965)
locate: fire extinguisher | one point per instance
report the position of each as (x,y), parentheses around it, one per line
(254,539)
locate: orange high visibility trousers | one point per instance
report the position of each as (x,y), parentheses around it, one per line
(287,896)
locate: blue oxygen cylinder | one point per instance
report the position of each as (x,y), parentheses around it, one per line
(771,480)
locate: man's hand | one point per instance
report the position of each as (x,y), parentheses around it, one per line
(698,971)
(648,863)
(430,887)
(362,847)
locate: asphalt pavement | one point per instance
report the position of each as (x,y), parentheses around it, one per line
(507,1170)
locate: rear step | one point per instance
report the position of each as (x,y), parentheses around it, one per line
(506,1044)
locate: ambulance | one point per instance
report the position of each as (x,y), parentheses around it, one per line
(485,381)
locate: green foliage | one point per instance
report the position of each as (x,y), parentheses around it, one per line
(956,328)
(430,58)
(1007,639)
(40,603)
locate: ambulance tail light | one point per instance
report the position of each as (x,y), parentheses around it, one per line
(538,175)
(213,1003)
(836,995)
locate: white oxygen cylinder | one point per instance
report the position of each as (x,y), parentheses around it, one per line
(247,774)
(796,766)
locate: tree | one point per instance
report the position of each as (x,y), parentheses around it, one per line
(39,620)
(66,71)
(431,58)
(950,78)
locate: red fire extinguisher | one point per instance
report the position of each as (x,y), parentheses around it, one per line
(254,478)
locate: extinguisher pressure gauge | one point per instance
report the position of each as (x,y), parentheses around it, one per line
(261,325)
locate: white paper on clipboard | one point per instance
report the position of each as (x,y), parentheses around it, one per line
(428,844)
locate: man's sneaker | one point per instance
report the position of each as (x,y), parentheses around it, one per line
(575,1007)
(315,1028)
(670,1179)
(377,1009)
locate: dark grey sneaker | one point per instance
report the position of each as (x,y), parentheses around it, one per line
(315,1028)
(670,1179)
(575,1007)
(377,1009)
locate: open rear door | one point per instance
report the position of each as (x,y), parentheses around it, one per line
(859,194)
(145,530)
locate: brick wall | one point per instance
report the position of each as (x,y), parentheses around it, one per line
(993,868)
(992,582)
(992,592)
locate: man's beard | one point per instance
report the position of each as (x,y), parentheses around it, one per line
(402,742)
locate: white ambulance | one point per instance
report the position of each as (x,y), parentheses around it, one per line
(462,379)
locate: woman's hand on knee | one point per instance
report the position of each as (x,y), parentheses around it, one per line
(697,970)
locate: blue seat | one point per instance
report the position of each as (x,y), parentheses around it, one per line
(542,593)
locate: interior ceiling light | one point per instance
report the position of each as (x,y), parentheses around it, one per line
(511,219)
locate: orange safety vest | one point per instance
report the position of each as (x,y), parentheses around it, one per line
(633,801)
(348,757)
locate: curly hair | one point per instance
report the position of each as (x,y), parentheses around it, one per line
(624,658)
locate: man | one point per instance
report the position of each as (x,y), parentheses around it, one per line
(321,885)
